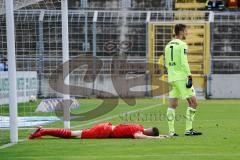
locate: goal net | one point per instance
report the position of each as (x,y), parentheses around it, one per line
(114,45)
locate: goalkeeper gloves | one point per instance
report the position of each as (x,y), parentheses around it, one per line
(189,83)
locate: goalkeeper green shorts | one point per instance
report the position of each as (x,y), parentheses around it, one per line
(179,90)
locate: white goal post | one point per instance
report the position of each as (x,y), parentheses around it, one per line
(12,71)
(9,8)
(65,53)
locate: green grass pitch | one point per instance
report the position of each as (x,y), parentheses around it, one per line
(217,119)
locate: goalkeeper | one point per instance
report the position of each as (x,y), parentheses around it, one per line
(180,78)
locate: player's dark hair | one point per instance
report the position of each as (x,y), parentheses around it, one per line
(155,131)
(179,27)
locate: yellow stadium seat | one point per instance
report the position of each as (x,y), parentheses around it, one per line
(195,58)
(196,67)
(189,6)
(196,50)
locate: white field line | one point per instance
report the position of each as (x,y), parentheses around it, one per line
(115,116)
(89,123)
(19,128)
(11,144)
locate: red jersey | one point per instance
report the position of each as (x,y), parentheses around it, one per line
(98,131)
(126,130)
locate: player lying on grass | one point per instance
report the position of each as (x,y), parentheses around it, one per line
(104,130)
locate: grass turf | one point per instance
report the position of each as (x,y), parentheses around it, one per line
(217,119)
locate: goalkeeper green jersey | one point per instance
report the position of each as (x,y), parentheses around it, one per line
(176,60)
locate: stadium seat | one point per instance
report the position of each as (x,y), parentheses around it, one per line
(195,58)
(196,67)
(196,50)
(189,5)
(193,39)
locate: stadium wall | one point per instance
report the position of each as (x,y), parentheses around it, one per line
(225,86)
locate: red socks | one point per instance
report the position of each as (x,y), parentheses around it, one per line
(62,133)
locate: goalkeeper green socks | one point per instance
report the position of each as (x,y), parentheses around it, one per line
(189,118)
(171,119)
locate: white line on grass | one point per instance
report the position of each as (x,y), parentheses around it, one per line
(11,144)
(90,123)
(115,116)
(19,128)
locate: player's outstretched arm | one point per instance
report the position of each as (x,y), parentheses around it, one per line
(164,136)
(140,135)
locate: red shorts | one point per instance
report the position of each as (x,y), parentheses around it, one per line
(98,131)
